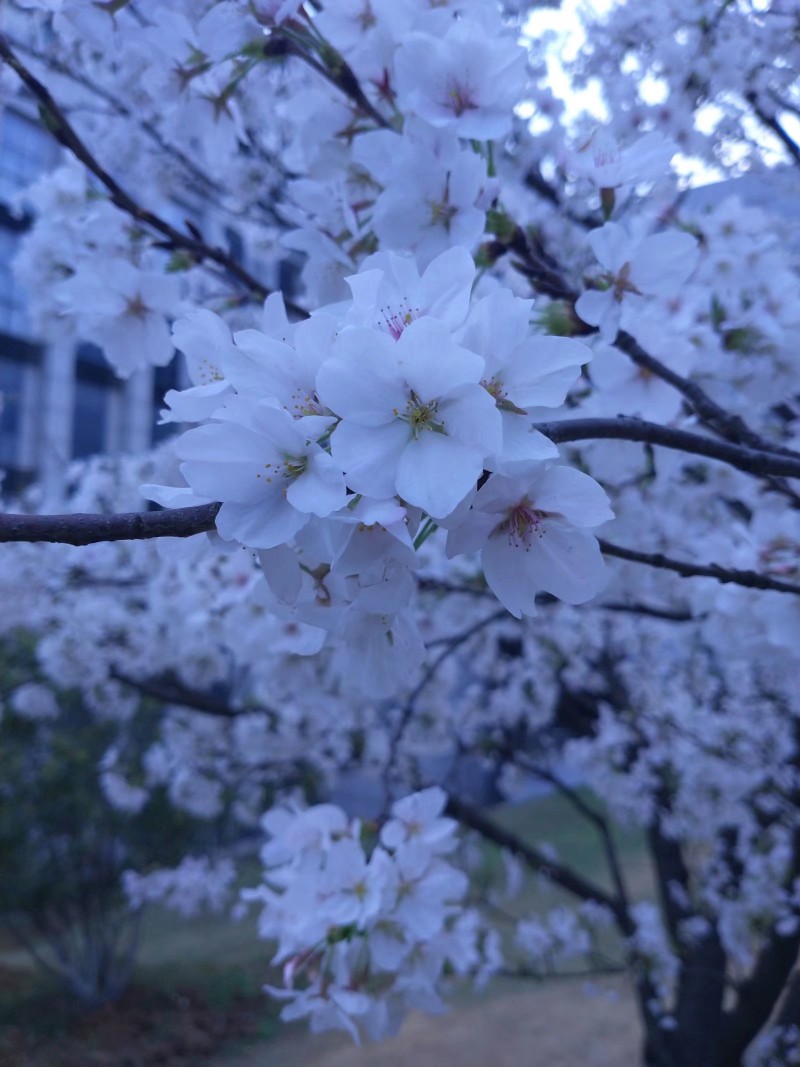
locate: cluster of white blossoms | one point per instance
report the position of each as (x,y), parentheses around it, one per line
(194,886)
(391,138)
(366,932)
(352,435)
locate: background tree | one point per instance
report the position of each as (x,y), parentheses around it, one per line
(386,446)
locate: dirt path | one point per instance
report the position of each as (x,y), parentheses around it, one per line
(555,1025)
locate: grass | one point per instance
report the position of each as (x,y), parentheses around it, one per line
(552,820)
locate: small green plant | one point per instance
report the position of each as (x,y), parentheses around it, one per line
(63,847)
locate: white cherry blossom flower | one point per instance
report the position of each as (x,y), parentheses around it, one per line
(389,292)
(523,372)
(532,533)
(467,78)
(125,310)
(415,420)
(608,165)
(655,266)
(267,470)
(206,342)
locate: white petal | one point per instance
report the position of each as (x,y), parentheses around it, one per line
(321,488)
(568,492)
(436,473)
(369,456)
(265,525)
(361,381)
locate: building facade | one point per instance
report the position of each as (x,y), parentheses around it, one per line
(60,401)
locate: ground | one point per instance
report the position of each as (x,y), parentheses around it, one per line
(196,999)
(558,1024)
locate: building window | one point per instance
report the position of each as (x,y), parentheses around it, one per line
(20,385)
(96,411)
(25,153)
(164,379)
(233,239)
(13,319)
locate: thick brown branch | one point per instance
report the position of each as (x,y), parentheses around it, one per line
(750,460)
(183,522)
(89,529)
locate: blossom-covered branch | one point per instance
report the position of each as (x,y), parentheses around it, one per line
(64,132)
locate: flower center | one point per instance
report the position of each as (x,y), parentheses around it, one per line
(136,307)
(459,99)
(421,416)
(494,387)
(209,372)
(522,523)
(291,467)
(622,283)
(303,403)
(396,321)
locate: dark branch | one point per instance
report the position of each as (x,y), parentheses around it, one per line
(555,872)
(169,690)
(595,817)
(336,71)
(748,579)
(183,522)
(750,460)
(733,427)
(89,529)
(772,123)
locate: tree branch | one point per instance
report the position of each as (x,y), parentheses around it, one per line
(750,460)
(183,522)
(338,72)
(588,812)
(168,690)
(748,579)
(555,872)
(61,128)
(733,427)
(89,529)
(772,123)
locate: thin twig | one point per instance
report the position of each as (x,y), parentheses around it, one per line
(598,821)
(169,690)
(726,575)
(732,427)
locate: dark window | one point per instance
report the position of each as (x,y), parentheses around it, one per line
(13,319)
(164,379)
(95,383)
(89,419)
(25,152)
(235,244)
(19,408)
